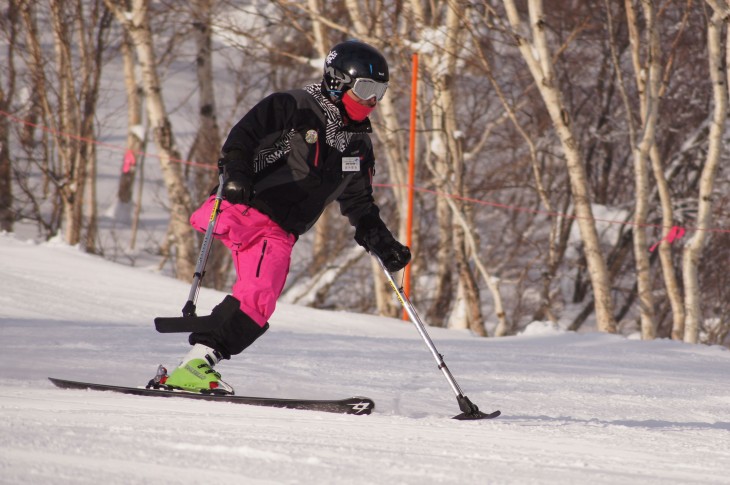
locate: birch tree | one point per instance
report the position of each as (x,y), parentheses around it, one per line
(693,250)
(136,22)
(648,80)
(322,234)
(207,145)
(79,31)
(671,283)
(366,26)
(448,168)
(533,45)
(560,226)
(9,32)
(135,130)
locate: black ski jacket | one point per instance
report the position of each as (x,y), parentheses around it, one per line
(301,156)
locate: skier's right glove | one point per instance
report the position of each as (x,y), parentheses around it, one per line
(372,234)
(238,185)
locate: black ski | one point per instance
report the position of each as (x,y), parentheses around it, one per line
(353,405)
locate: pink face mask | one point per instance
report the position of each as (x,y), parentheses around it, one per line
(355,110)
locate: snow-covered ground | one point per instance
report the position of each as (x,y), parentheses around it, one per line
(577,408)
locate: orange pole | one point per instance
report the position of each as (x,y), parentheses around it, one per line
(411,175)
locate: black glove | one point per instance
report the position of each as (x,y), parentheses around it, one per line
(372,234)
(237,188)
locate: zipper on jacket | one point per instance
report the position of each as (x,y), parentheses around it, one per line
(316,153)
(261,259)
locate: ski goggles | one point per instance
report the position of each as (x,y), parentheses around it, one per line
(365,88)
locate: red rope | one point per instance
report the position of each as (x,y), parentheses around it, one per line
(116,148)
(675,232)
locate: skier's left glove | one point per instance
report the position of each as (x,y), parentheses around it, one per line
(372,234)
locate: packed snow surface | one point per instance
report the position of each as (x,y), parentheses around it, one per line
(576,408)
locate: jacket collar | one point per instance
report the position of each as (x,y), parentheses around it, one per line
(339,128)
(348,124)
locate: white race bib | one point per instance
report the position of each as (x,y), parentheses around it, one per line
(350,164)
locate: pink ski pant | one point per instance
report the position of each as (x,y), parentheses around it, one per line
(261,252)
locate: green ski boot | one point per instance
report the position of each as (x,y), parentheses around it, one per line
(196,373)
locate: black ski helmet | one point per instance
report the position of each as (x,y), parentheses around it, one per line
(350,60)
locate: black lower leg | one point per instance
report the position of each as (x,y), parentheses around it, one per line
(235,332)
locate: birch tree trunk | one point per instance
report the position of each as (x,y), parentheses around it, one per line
(669,274)
(388,130)
(322,230)
(648,80)
(208,139)
(461,308)
(444,277)
(674,293)
(92,40)
(536,54)
(36,62)
(77,45)
(6,186)
(74,173)
(136,23)
(693,249)
(560,226)
(7,96)
(454,42)
(134,128)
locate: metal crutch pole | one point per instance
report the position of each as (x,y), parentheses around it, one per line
(469,409)
(189,308)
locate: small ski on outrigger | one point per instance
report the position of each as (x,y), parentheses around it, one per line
(352,405)
(469,410)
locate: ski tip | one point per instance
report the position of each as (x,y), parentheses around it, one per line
(360,405)
(59,382)
(477,415)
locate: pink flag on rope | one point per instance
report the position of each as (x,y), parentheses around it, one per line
(674,233)
(129,161)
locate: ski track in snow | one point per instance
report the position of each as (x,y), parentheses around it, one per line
(577,408)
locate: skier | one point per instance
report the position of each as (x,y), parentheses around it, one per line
(289,157)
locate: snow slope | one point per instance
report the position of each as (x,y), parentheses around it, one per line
(577,408)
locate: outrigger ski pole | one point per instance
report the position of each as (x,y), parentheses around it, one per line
(190,322)
(189,308)
(469,410)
